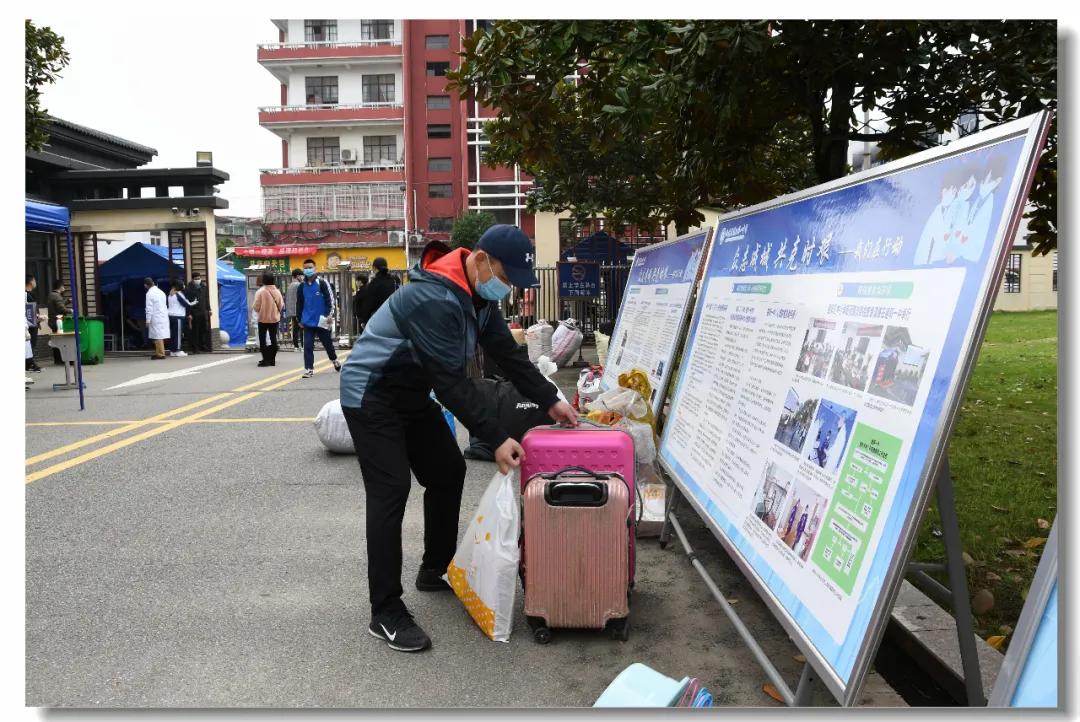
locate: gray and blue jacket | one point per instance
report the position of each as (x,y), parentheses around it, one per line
(421,340)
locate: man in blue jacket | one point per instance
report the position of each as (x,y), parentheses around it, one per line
(315,304)
(421,340)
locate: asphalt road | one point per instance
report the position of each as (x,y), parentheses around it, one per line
(214,557)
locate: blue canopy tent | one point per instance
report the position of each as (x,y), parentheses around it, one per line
(51,218)
(232,304)
(600,247)
(125,272)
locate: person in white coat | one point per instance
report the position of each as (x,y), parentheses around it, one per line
(836,448)
(157,317)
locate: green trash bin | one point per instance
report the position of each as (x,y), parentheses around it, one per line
(91,337)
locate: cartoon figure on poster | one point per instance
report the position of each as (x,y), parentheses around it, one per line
(959,225)
(829,435)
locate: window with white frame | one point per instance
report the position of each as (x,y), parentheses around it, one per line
(320,31)
(376,29)
(380,149)
(378,88)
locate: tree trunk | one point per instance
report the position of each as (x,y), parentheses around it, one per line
(831,143)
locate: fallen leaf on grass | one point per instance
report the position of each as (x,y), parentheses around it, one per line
(991,577)
(772,692)
(799,658)
(1042,523)
(968,559)
(982,602)
(1005,629)
(732,600)
(1016,552)
(995,507)
(1034,542)
(997,641)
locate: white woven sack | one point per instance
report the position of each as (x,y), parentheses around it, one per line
(332,430)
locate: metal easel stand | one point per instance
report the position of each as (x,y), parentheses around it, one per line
(803,695)
(955,596)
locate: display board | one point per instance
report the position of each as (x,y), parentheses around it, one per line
(830,343)
(654,310)
(1029,674)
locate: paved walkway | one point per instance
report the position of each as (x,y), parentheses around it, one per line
(189,542)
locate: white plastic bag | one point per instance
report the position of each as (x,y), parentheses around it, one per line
(538,340)
(588,386)
(602,341)
(642,434)
(565,342)
(483,573)
(622,401)
(332,430)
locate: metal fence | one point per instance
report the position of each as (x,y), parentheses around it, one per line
(543,303)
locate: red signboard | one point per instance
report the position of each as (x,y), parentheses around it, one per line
(275,251)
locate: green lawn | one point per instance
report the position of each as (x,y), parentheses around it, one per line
(1004,464)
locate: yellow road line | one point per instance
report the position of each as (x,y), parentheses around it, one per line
(132,426)
(256,419)
(149,433)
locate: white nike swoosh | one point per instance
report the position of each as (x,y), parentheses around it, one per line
(386,631)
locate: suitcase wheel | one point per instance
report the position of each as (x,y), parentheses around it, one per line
(619,629)
(541,632)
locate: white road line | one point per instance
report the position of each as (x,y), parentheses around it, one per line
(179,373)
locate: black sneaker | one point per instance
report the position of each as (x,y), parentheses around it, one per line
(429,580)
(399,631)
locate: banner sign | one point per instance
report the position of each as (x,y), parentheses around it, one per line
(579,279)
(829,348)
(275,251)
(653,315)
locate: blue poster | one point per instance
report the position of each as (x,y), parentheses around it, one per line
(653,312)
(579,279)
(817,371)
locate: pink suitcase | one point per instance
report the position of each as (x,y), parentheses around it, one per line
(595,447)
(575,524)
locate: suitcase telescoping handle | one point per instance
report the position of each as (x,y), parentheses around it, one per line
(575,493)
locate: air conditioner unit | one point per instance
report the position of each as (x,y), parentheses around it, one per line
(396,237)
(348,155)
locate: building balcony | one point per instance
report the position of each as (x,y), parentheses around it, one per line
(278,116)
(327,202)
(359,173)
(345,50)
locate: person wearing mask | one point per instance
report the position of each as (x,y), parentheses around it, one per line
(179,307)
(358,301)
(268,305)
(290,307)
(314,308)
(157,317)
(199,295)
(380,288)
(421,340)
(31,326)
(57,307)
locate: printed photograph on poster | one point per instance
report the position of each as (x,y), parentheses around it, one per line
(795,420)
(859,344)
(818,346)
(899,368)
(959,225)
(829,435)
(771,494)
(801,519)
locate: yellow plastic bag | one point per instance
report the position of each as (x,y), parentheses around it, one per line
(483,573)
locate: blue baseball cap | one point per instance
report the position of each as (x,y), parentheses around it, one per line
(514,251)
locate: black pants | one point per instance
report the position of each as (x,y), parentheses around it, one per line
(200,333)
(30,362)
(297,332)
(268,344)
(57,358)
(390,443)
